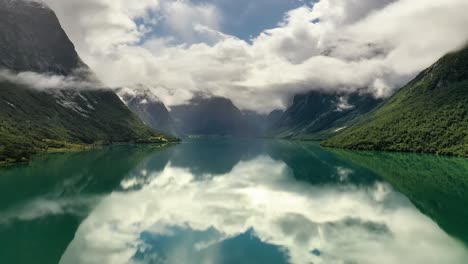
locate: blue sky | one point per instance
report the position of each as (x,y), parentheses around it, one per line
(244,19)
(295,55)
(247,18)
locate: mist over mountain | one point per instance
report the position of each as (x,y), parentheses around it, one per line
(149,108)
(317,115)
(33,45)
(246,79)
(181,49)
(429,114)
(214,116)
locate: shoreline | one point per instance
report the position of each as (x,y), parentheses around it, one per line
(67,147)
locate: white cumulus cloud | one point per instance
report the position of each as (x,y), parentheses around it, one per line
(372,46)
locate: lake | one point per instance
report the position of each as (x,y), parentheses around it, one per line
(234,201)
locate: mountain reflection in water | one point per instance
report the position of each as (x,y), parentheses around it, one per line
(258,202)
(234,201)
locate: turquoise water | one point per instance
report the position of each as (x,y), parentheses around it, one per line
(234,201)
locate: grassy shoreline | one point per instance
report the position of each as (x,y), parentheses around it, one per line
(323,143)
(377,151)
(57,147)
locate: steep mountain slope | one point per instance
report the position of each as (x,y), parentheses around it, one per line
(32,120)
(32,39)
(257,123)
(274,117)
(149,108)
(210,117)
(430,114)
(317,115)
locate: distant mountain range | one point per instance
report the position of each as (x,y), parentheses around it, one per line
(200,117)
(429,114)
(214,116)
(312,116)
(32,120)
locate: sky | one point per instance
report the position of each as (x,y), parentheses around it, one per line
(261,53)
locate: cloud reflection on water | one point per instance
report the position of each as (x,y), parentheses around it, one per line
(258,199)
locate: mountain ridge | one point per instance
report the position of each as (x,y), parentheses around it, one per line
(146,105)
(33,120)
(318,115)
(214,116)
(428,115)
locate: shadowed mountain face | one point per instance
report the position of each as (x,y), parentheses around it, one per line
(210,117)
(274,117)
(317,115)
(430,114)
(203,117)
(149,108)
(31,121)
(32,39)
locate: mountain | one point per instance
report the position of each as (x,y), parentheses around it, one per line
(32,120)
(274,117)
(32,39)
(146,105)
(317,115)
(214,116)
(429,114)
(257,123)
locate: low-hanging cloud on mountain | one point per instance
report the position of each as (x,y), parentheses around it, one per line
(44,81)
(370,46)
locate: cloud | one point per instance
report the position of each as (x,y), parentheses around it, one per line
(47,81)
(347,223)
(191,23)
(43,207)
(335,45)
(245,18)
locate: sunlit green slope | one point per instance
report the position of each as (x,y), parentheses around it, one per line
(34,120)
(430,114)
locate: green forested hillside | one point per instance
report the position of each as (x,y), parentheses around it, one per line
(430,114)
(33,121)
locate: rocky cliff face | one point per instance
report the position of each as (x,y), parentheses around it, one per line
(148,107)
(210,117)
(317,115)
(32,39)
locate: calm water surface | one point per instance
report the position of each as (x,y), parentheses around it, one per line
(227,201)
